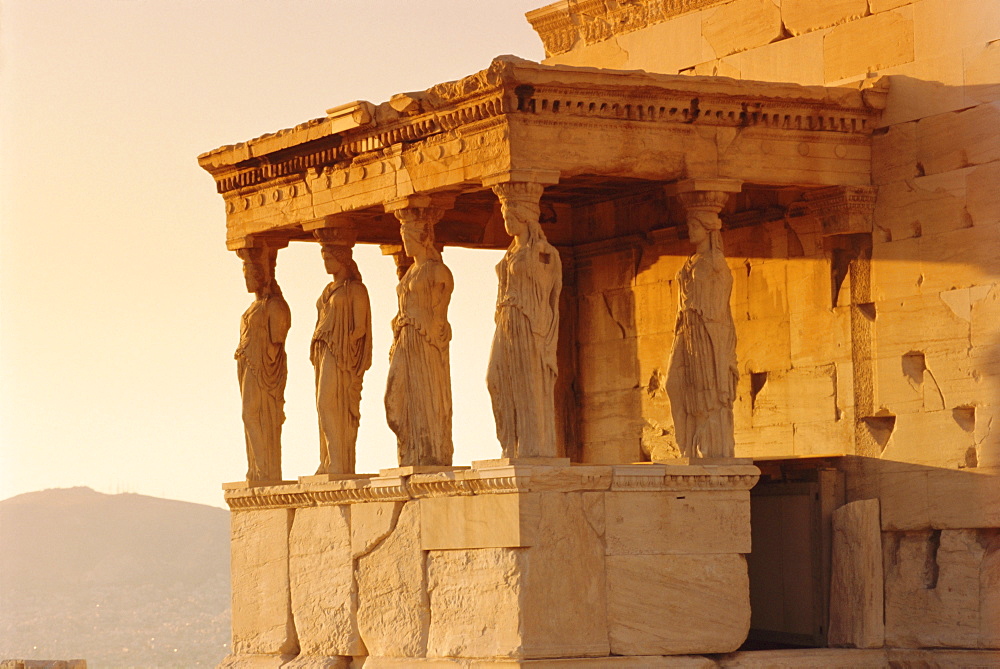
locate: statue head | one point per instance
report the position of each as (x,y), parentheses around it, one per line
(258,270)
(417,232)
(339,261)
(521,209)
(704,229)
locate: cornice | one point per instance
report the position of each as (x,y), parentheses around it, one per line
(562,25)
(512,88)
(510,479)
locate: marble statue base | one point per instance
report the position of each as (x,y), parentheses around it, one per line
(503,563)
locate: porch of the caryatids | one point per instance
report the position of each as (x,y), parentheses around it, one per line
(341,349)
(702,372)
(522,369)
(261,363)
(418,404)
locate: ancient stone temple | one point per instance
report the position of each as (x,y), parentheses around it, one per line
(746,363)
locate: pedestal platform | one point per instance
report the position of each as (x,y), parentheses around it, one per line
(502,564)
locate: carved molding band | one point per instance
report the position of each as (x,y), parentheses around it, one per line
(515,479)
(512,87)
(561,25)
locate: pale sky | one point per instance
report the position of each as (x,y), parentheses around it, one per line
(119,303)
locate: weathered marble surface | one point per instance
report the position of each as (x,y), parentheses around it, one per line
(509,559)
(856,584)
(341,353)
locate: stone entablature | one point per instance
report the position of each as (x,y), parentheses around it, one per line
(521,117)
(561,25)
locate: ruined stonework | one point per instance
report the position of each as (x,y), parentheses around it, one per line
(738,231)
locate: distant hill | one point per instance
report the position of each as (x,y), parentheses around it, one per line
(119,580)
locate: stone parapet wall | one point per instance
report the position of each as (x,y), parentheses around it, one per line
(502,561)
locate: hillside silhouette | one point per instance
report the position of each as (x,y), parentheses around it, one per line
(119,580)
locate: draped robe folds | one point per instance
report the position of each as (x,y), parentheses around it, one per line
(522,370)
(341,352)
(262,368)
(702,376)
(418,389)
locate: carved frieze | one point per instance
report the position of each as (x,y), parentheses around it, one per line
(496,481)
(560,26)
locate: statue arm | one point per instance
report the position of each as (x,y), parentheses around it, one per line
(279,320)
(444,284)
(552,332)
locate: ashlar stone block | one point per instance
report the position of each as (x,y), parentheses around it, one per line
(802,16)
(475,603)
(393,607)
(324,609)
(677,523)
(958,139)
(887,40)
(705,598)
(262,616)
(856,585)
(933,587)
(741,25)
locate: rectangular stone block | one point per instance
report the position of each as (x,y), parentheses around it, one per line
(475,603)
(958,139)
(321,576)
(932,589)
(764,345)
(820,337)
(802,16)
(982,195)
(981,65)
(262,616)
(393,605)
(684,35)
(915,208)
(948,25)
(609,365)
(924,87)
(934,439)
(741,25)
(894,154)
(872,43)
(918,498)
(563,576)
(663,523)
(856,596)
(478,521)
(798,60)
(705,598)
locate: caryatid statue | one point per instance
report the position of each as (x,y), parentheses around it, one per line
(418,389)
(702,373)
(522,369)
(341,352)
(261,365)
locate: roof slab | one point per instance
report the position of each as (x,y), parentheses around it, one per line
(591,135)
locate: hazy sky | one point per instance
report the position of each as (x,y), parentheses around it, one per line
(119,304)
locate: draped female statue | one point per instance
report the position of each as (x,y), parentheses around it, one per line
(261,365)
(522,368)
(418,390)
(341,352)
(702,375)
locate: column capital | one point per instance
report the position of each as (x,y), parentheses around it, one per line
(440,201)
(843,210)
(345,221)
(541,177)
(256,242)
(703,185)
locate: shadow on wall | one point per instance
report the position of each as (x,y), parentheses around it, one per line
(884,346)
